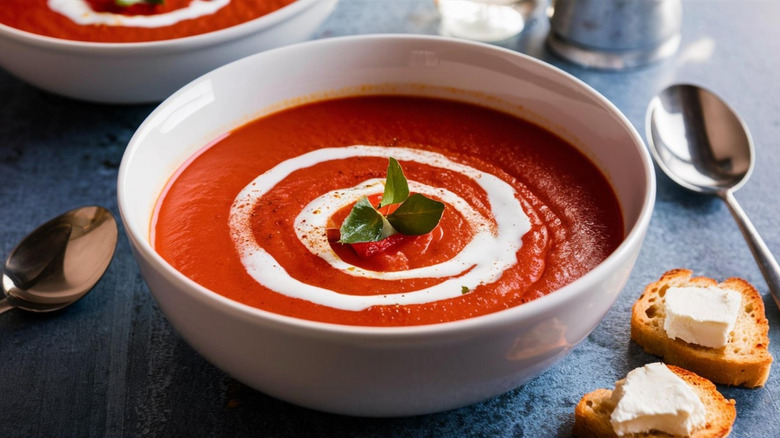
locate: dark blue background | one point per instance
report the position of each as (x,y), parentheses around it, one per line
(111,365)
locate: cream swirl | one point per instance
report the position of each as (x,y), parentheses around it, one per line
(81,12)
(492,250)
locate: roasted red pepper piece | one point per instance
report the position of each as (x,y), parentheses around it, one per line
(111,6)
(367,249)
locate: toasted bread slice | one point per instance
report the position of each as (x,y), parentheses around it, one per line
(593,412)
(745,360)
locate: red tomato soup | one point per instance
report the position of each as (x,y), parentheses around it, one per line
(107,21)
(249,216)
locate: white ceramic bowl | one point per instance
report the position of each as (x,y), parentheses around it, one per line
(380,371)
(149,71)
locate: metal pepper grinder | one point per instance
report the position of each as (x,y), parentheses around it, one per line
(615,34)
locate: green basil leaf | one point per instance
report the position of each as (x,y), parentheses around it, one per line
(396,186)
(417,215)
(363,224)
(387,229)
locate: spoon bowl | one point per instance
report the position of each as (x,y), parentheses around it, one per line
(698,140)
(701,143)
(60,261)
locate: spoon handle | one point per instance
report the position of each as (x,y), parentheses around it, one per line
(766,262)
(5,305)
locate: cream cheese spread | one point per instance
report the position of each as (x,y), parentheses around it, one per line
(701,316)
(653,398)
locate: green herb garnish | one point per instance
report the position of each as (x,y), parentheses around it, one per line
(364,224)
(415,216)
(396,187)
(464,290)
(126,3)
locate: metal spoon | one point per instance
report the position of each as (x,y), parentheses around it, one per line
(60,261)
(702,144)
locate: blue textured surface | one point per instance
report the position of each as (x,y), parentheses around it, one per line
(111,365)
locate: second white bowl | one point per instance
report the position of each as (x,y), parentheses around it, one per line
(149,71)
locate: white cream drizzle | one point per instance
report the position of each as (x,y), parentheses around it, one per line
(82,13)
(492,250)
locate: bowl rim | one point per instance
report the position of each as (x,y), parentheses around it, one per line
(214,37)
(472,326)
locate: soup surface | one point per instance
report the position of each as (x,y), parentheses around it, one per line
(525,212)
(106,21)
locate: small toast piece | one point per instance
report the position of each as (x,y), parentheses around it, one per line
(745,360)
(592,414)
